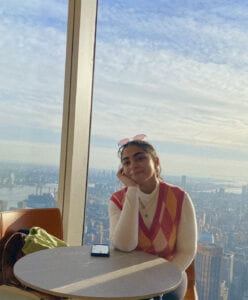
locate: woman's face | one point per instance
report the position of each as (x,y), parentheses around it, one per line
(139,165)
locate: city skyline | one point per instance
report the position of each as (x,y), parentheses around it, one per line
(34,186)
(176,72)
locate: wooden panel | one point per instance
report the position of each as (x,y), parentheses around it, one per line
(191,293)
(47,218)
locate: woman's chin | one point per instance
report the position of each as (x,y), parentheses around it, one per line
(142,180)
(138,180)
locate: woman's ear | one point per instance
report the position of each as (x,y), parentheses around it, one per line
(157,166)
(157,162)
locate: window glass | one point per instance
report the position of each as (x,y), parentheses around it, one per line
(32,63)
(177,71)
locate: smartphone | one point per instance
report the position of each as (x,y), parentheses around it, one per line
(100,250)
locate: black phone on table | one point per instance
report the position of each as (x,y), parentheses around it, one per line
(100,250)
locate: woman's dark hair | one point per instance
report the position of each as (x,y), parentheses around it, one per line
(146,147)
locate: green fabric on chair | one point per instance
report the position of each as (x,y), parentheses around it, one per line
(39,239)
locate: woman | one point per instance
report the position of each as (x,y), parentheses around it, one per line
(151,215)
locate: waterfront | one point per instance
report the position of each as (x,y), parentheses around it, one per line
(19,193)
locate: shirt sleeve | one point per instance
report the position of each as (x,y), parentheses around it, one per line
(187,235)
(124,223)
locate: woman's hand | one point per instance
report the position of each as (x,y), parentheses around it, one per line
(125,179)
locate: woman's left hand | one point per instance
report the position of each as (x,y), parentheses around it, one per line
(125,179)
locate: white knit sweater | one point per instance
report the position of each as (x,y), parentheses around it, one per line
(124,224)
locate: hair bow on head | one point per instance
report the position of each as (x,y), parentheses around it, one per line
(137,137)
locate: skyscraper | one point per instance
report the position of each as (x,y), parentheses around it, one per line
(240,277)
(208,266)
(183,182)
(227,269)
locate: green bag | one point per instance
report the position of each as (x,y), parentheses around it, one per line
(39,239)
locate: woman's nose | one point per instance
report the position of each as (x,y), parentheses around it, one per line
(133,164)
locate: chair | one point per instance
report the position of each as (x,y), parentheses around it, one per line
(48,218)
(191,293)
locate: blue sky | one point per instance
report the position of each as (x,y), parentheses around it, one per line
(174,70)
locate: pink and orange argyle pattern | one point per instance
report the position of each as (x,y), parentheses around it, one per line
(160,238)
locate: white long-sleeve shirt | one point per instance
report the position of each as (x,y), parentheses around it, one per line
(124,224)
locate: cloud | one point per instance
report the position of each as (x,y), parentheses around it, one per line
(190,29)
(178,164)
(176,72)
(32,61)
(179,78)
(26,152)
(196,166)
(170,97)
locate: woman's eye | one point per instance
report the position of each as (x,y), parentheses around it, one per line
(125,163)
(141,158)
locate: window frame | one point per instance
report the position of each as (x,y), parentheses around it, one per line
(75,139)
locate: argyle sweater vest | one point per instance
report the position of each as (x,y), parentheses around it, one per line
(160,238)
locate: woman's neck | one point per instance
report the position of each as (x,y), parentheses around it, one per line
(148,188)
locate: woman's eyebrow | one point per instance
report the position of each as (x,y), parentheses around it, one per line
(138,153)
(134,155)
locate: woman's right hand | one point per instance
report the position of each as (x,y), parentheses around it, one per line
(125,179)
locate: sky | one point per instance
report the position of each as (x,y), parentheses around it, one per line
(32,59)
(176,71)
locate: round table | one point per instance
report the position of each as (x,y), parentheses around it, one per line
(73,272)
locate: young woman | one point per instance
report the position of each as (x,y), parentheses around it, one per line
(151,215)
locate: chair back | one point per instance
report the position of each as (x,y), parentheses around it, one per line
(47,218)
(191,293)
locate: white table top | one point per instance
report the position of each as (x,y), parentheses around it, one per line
(73,272)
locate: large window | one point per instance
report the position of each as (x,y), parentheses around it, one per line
(177,71)
(32,63)
(47,62)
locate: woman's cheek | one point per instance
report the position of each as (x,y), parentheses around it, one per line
(125,171)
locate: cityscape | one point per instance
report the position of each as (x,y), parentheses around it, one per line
(221,208)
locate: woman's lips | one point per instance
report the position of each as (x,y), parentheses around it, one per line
(136,172)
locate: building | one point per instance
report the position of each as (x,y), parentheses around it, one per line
(183,182)
(206,238)
(240,277)
(223,291)
(227,269)
(208,267)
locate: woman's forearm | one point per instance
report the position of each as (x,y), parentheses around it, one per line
(187,236)
(124,223)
